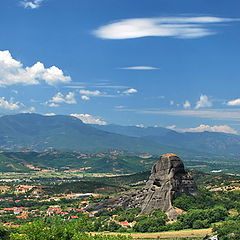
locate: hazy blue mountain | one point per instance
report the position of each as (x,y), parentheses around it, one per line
(134,131)
(212,142)
(38,132)
(209,142)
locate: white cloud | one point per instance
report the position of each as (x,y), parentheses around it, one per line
(85,98)
(13,72)
(89,119)
(52,104)
(140,125)
(140,68)
(130,91)
(235,102)
(203,102)
(9,105)
(90,93)
(49,114)
(207,128)
(171,102)
(32,4)
(179,27)
(54,75)
(172,127)
(60,98)
(29,110)
(187,104)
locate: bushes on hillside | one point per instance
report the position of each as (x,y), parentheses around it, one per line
(57,229)
(197,218)
(229,230)
(206,199)
(156,222)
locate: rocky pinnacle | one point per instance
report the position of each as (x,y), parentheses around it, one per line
(168,180)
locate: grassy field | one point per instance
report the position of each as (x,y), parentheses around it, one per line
(171,235)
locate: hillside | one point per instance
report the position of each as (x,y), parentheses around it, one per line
(116,162)
(67,161)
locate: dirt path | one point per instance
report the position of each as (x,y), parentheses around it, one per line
(197,233)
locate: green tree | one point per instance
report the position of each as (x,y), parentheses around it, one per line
(229,230)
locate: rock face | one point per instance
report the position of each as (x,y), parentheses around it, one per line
(168,179)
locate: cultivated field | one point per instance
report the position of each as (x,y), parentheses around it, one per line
(173,235)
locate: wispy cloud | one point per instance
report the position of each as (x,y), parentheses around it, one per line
(12,72)
(75,87)
(140,68)
(120,107)
(86,94)
(222,114)
(178,27)
(31,4)
(217,114)
(90,93)
(95,85)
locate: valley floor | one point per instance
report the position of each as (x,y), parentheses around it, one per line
(170,235)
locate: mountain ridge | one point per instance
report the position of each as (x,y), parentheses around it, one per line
(208,142)
(38,132)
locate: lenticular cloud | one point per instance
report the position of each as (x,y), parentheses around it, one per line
(179,27)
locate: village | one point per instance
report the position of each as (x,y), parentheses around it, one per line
(20,204)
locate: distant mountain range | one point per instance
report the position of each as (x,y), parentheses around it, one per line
(207,142)
(38,132)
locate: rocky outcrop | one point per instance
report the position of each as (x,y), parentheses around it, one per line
(168,179)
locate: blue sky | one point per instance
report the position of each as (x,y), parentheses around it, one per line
(150,62)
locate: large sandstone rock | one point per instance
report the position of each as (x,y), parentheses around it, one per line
(168,179)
